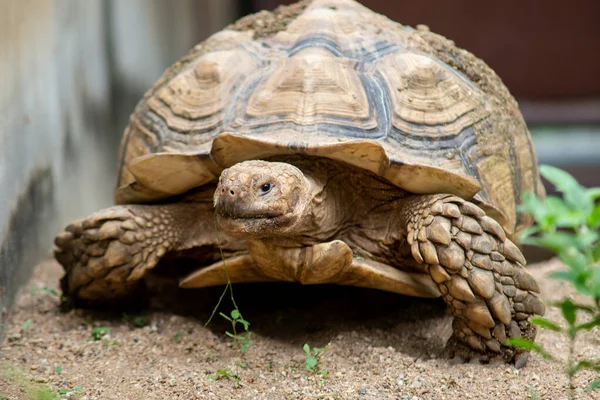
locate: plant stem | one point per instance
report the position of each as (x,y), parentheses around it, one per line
(228,286)
(570,372)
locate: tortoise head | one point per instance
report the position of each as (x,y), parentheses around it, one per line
(258,199)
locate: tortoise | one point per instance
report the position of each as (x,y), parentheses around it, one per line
(330,145)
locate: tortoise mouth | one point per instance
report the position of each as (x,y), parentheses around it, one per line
(248,215)
(236,209)
(253,225)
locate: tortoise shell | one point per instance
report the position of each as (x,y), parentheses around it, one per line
(331,78)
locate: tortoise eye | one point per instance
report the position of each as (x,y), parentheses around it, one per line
(265,188)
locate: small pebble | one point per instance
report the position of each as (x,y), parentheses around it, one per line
(362,391)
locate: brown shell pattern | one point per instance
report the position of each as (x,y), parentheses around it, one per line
(337,72)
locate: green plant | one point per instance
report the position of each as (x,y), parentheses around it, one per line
(42,393)
(241,340)
(138,321)
(313,359)
(99,332)
(50,291)
(568,226)
(447,380)
(27,324)
(76,389)
(224,374)
(58,369)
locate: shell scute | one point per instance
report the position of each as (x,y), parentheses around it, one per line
(312,86)
(194,99)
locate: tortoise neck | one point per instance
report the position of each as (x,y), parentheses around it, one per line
(341,197)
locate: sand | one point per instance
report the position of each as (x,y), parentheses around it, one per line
(382,346)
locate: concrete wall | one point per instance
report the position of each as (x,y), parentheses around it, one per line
(70,73)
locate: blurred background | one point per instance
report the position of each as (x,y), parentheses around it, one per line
(71,71)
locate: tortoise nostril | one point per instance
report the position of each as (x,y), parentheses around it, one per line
(231,192)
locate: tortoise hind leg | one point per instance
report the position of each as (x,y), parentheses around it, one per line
(106,254)
(479,272)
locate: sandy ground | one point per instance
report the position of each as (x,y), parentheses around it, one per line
(383,346)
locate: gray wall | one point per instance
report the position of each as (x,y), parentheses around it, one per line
(70,73)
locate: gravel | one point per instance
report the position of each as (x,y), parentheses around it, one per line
(383,346)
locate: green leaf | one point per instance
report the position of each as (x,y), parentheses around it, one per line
(564,275)
(569,311)
(593,193)
(27,324)
(589,325)
(596,253)
(245,346)
(555,241)
(546,324)
(225,316)
(595,385)
(573,258)
(594,217)
(235,314)
(587,238)
(528,345)
(527,233)
(593,366)
(140,321)
(311,363)
(574,194)
(220,374)
(306,348)
(595,284)
(99,332)
(245,323)
(583,282)
(560,214)
(49,290)
(583,307)
(539,210)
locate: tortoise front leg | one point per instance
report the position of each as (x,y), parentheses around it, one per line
(106,254)
(479,272)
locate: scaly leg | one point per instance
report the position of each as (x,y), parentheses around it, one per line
(479,272)
(106,254)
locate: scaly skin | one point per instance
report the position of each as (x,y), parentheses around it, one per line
(107,254)
(479,271)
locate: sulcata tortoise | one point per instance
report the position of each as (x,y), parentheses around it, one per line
(329,144)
